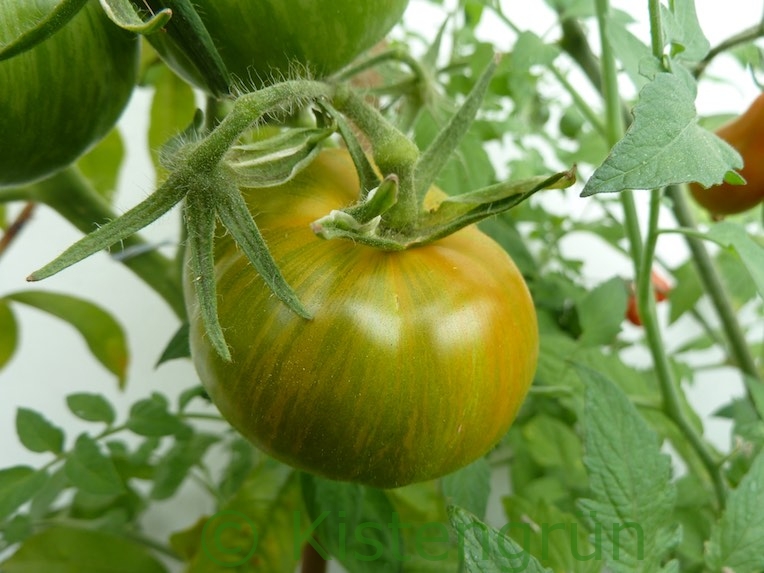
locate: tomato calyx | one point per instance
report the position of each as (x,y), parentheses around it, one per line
(208,168)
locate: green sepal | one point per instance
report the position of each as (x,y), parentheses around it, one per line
(50,23)
(164,199)
(187,31)
(447,217)
(435,157)
(276,160)
(237,219)
(125,15)
(200,223)
(364,217)
(367,176)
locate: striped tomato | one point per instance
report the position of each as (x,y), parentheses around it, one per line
(268,39)
(414,365)
(62,96)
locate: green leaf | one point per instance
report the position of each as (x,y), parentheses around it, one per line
(91,407)
(469,487)
(185,397)
(178,347)
(737,540)
(90,470)
(18,484)
(242,459)
(686,292)
(601,312)
(150,417)
(9,333)
(682,30)
(555,537)
(102,333)
(101,164)
(664,145)
(488,550)
(36,433)
(69,550)
(254,532)
(735,238)
(356,525)
(172,108)
(632,495)
(553,444)
(176,464)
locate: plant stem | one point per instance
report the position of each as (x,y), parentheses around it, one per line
(642,257)
(743,37)
(13,230)
(714,287)
(580,102)
(312,562)
(70,194)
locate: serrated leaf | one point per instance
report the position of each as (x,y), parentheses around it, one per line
(488,550)
(374,545)
(632,495)
(737,540)
(36,433)
(664,145)
(178,347)
(69,550)
(735,238)
(91,407)
(102,333)
(469,487)
(100,165)
(150,417)
(176,464)
(18,484)
(9,333)
(90,470)
(601,312)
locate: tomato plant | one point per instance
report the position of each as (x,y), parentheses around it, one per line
(744,134)
(263,41)
(414,364)
(337,366)
(90,65)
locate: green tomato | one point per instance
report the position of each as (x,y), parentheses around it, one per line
(62,96)
(265,40)
(415,362)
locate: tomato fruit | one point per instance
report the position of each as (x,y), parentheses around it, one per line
(263,39)
(63,95)
(661,289)
(415,363)
(744,133)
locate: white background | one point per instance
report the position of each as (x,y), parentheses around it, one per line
(53,361)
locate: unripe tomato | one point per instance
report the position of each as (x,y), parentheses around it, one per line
(261,40)
(746,134)
(415,363)
(63,95)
